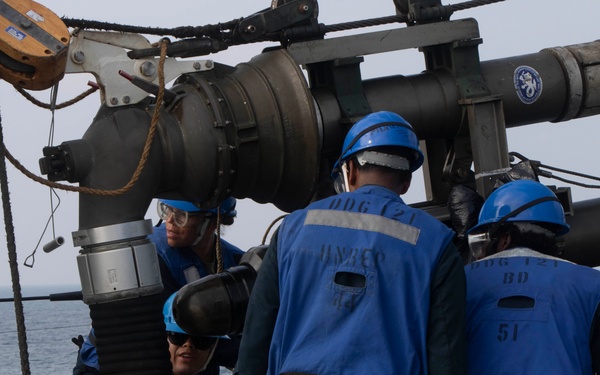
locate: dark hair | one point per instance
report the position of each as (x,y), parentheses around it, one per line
(533,236)
(400,176)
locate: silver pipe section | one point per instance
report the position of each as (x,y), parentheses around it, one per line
(117,262)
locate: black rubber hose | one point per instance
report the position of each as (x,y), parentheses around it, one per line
(131,337)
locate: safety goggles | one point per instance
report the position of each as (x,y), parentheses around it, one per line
(340,183)
(200,343)
(478,243)
(180,218)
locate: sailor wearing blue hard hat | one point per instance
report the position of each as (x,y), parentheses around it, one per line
(517,206)
(521,295)
(190,355)
(367,141)
(190,247)
(183,214)
(189,242)
(359,263)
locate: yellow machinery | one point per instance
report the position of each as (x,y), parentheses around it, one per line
(34,45)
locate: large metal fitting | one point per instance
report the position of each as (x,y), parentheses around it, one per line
(117,262)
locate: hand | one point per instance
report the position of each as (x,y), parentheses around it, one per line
(77,341)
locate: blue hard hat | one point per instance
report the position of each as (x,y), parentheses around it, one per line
(523,201)
(170,323)
(227,207)
(381,129)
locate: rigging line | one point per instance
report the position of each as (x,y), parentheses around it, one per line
(264,239)
(48,328)
(217,31)
(62,105)
(53,210)
(537,165)
(54,95)
(570,172)
(365,23)
(12,260)
(50,219)
(471,4)
(574,182)
(180,32)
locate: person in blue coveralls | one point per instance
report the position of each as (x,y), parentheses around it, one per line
(190,247)
(360,282)
(190,355)
(528,312)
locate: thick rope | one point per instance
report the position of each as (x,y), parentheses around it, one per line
(218,249)
(62,105)
(225,31)
(271,226)
(12,261)
(215,31)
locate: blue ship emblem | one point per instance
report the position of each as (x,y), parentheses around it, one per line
(528,84)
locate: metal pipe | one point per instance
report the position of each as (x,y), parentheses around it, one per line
(429,101)
(582,240)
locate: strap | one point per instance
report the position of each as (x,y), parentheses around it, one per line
(517,211)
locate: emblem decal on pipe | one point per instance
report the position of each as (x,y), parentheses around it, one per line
(528,84)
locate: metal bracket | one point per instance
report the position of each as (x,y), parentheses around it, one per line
(104,54)
(384,41)
(276,19)
(343,78)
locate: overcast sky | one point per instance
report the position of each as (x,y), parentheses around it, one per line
(510,28)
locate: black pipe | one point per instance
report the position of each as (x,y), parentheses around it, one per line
(216,304)
(582,241)
(429,101)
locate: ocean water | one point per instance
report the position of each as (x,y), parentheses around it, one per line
(50,325)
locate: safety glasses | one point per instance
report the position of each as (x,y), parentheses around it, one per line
(340,183)
(200,343)
(478,243)
(180,218)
